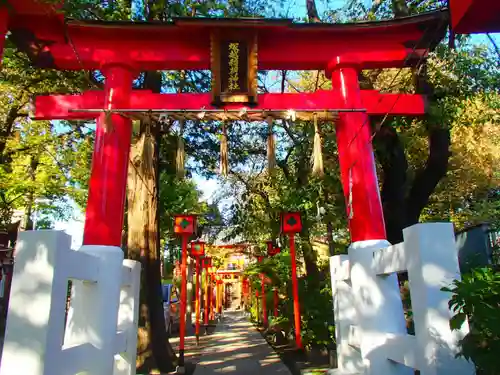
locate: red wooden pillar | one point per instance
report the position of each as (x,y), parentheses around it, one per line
(264,307)
(4,23)
(197,299)
(182,316)
(257,304)
(357,164)
(207,296)
(108,179)
(295,292)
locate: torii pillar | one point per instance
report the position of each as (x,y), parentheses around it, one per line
(377,301)
(108,179)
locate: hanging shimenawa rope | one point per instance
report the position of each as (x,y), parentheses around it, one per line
(271,146)
(224,162)
(317,156)
(180,153)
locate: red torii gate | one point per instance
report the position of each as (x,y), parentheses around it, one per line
(122,49)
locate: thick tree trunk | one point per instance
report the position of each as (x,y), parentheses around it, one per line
(427,179)
(154,351)
(402,208)
(391,156)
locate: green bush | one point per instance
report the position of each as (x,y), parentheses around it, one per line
(477,297)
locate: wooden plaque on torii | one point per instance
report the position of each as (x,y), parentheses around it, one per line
(234,65)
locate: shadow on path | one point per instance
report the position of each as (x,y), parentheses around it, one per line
(237,348)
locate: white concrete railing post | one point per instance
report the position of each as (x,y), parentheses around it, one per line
(93,313)
(432,263)
(103,315)
(35,320)
(348,357)
(429,255)
(128,319)
(379,308)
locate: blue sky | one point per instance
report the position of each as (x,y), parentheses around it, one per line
(295,9)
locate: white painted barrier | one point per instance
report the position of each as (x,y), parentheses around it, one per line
(368,309)
(100,336)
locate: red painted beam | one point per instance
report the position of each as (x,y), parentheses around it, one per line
(57,107)
(475,16)
(187,45)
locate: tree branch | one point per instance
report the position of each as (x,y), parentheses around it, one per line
(312,11)
(257,191)
(285,126)
(283,80)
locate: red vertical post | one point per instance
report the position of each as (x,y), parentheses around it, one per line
(182,316)
(357,163)
(207,289)
(211,300)
(276,302)
(295,292)
(197,299)
(257,304)
(108,178)
(264,308)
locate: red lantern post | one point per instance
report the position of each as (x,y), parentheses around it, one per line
(291,223)
(214,292)
(257,303)
(184,226)
(197,251)
(207,265)
(272,251)
(263,294)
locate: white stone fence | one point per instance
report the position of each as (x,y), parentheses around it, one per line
(370,327)
(100,334)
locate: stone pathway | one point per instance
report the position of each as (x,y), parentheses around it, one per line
(236,348)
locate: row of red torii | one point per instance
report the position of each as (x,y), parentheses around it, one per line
(121,50)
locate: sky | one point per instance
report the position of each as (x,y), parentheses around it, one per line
(296,8)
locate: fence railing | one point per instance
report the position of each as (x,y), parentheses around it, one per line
(362,289)
(100,334)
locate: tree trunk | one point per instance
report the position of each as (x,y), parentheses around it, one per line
(427,179)
(391,156)
(400,8)
(312,11)
(154,350)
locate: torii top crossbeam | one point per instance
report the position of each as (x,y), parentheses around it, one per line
(184,43)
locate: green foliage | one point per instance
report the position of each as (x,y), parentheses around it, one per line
(477,297)
(40,161)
